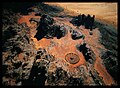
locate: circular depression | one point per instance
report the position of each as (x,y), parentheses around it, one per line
(72,58)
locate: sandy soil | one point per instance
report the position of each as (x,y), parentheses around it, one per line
(66,45)
(106,12)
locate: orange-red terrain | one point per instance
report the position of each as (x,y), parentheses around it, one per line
(59,44)
(66,45)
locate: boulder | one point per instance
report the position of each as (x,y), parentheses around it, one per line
(76,35)
(48,29)
(60,32)
(35,20)
(87,21)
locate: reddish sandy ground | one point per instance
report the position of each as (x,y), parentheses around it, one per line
(67,45)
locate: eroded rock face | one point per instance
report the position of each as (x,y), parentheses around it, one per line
(48,29)
(59,77)
(17,58)
(43,54)
(35,20)
(24,65)
(37,76)
(109,40)
(44,27)
(111,63)
(87,21)
(87,52)
(76,35)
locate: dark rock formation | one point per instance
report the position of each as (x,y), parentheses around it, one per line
(45,23)
(49,29)
(60,77)
(110,63)
(37,20)
(44,27)
(76,35)
(23,65)
(87,21)
(110,41)
(43,54)
(83,19)
(87,52)
(37,76)
(61,32)
(97,79)
(75,81)
(15,51)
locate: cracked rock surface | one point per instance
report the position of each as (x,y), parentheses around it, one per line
(41,47)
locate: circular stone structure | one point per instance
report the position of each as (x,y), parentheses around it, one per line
(72,58)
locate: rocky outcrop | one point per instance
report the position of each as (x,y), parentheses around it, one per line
(22,64)
(109,40)
(43,54)
(87,52)
(17,58)
(48,29)
(76,35)
(59,77)
(111,64)
(37,20)
(87,21)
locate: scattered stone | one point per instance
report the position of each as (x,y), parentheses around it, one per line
(91,33)
(37,20)
(76,35)
(16,41)
(87,52)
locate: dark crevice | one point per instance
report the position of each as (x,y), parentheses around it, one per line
(37,76)
(87,53)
